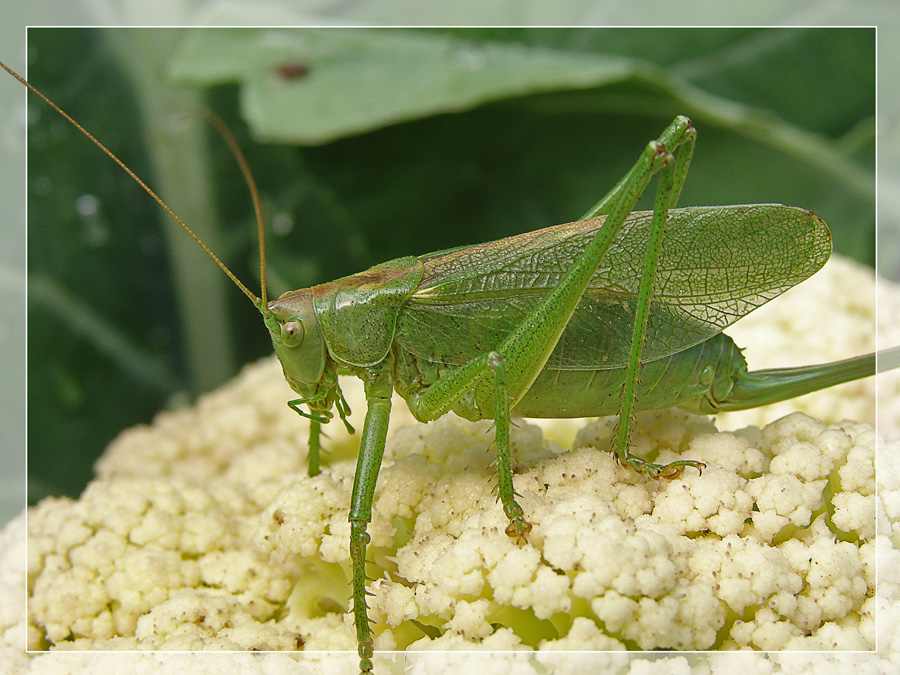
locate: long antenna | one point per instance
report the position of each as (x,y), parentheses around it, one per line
(219,125)
(109,153)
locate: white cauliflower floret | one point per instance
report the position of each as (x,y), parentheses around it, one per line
(783,499)
(198,619)
(715,500)
(583,631)
(606,553)
(129,545)
(854,514)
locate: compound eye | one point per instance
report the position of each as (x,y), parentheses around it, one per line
(292,333)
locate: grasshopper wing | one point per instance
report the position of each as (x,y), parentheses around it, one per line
(717,264)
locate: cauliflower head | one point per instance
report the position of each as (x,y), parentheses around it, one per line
(203,532)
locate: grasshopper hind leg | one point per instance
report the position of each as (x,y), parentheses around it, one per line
(670,183)
(670,470)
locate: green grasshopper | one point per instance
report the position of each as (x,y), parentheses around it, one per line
(605,315)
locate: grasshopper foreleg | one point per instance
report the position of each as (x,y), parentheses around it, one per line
(315,448)
(317,417)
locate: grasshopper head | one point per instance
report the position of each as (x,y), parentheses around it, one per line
(297,339)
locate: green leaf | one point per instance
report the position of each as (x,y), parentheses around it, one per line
(352,81)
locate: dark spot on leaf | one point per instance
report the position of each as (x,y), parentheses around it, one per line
(293,70)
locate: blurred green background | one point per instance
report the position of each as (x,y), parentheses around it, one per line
(368,145)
